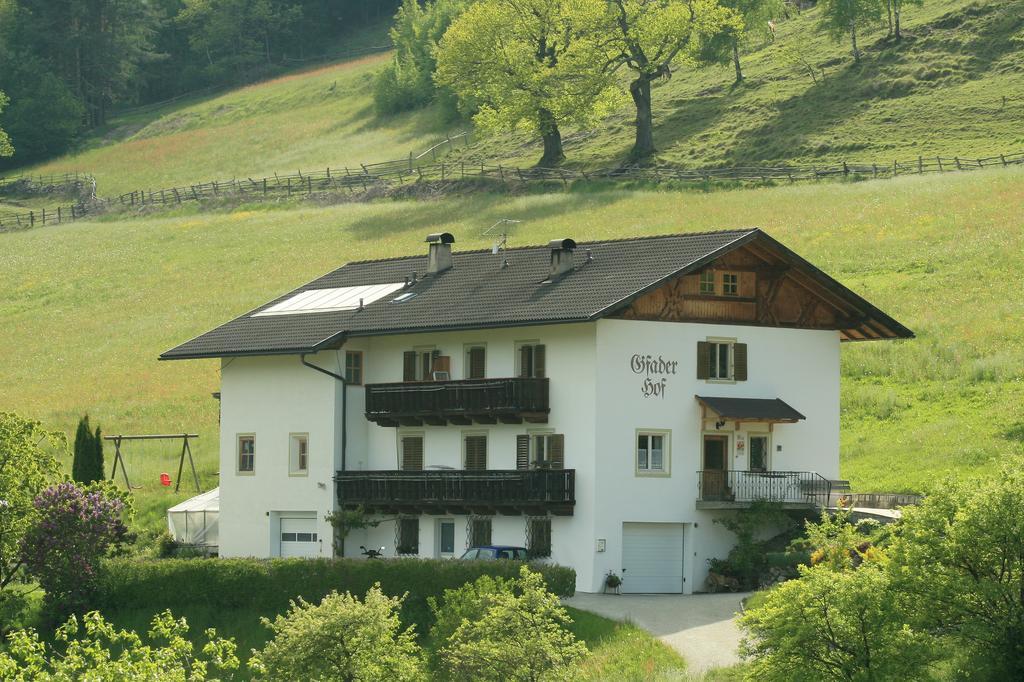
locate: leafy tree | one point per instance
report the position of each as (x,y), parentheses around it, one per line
(747,560)
(845,626)
(5,142)
(755,15)
(648,37)
(894,10)
(960,558)
(467,603)
(520,62)
(842,17)
(341,638)
(96,650)
(74,529)
(519,635)
(87,465)
(27,465)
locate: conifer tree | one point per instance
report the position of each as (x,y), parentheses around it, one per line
(83,450)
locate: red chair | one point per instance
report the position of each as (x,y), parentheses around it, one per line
(165,480)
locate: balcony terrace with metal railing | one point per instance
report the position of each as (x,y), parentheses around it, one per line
(737,489)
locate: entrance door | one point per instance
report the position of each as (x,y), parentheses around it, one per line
(299,537)
(715,484)
(652,557)
(445,538)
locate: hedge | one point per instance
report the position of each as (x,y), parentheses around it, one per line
(269,584)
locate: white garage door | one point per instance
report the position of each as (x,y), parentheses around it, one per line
(299,538)
(652,554)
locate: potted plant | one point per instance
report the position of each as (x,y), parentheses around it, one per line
(612,581)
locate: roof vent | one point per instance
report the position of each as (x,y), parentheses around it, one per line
(561,257)
(439,256)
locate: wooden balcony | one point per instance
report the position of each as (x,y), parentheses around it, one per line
(737,489)
(480,401)
(509,492)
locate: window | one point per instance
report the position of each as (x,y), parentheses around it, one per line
(446,537)
(540,451)
(475,452)
(476,357)
(730,284)
(759,453)
(652,452)
(298,454)
(478,532)
(531,360)
(246,454)
(418,364)
(354,367)
(707,282)
(721,360)
(407,536)
(538,537)
(298,537)
(410,452)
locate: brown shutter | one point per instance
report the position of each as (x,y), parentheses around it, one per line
(703,366)
(477,359)
(525,353)
(476,453)
(412,453)
(409,366)
(556,453)
(739,361)
(539,361)
(522,452)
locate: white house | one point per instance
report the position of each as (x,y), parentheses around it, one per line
(600,404)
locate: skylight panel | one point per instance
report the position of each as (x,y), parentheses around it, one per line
(330,300)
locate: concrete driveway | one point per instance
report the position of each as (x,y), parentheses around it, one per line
(701,627)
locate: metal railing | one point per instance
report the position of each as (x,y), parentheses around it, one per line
(744,487)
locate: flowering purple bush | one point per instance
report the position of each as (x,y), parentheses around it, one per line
(75,528)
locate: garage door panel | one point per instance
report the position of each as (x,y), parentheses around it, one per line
(298,537)
(652,556)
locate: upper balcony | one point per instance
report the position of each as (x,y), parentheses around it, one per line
(719,489)
(467,401)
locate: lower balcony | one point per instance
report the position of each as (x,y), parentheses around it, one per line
(719,489)
(510,492)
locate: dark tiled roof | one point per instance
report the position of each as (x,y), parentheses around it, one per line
(760,409)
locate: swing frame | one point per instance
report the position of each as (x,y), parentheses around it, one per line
(185,450)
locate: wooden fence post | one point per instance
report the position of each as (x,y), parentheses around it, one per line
(920,165)
(1003,157)
(939,159)
(58,215)
(31,219)
(846,169)
(957,159)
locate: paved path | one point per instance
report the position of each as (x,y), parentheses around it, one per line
(701,627)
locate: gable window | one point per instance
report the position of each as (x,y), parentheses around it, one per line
(418,364)
(407,535)
(476,356)
(478,531)
(246,454)
(354,367)
(721,360)
(540,451)
(707,282)
(410,452)
(730,284)
(759,453)
(531,360)
(652,452)
(538,537)
(298,454)
(475,451)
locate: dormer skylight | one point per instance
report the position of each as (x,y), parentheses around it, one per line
(331,300)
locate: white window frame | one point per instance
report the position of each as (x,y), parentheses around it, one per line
(465,358)
(420,352)
(713,368)
(518,367)
(666,453)
(238,454)
(533,435)
(751,435)
(294,454)
(487,440)
(438,549)
(362,367)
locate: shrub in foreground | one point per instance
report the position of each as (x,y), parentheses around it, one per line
(341,638)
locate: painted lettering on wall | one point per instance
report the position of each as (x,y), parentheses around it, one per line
(655,372)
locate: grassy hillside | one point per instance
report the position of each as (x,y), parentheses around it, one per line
(940,91)
(89,306)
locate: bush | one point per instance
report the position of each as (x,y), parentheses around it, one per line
(466,603)
(273,583)
(341,638)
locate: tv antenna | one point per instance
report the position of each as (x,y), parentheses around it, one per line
(505,225)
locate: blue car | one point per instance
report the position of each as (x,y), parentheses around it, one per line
(489,552)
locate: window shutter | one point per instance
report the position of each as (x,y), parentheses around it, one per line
(522,452)
(412,453)
(556,454)
(739,361)
(703,367)
(477,359)
(525,353)
(476,453)
(409,366)
(539,361)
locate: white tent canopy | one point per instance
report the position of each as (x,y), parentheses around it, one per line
(194,521)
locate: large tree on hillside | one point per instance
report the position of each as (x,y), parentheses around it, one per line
(523,64)
(894,9)
(755,15)
(844,17)
(649,37)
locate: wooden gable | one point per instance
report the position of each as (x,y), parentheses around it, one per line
(769,290)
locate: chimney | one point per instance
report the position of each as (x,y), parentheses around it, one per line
(561,257)
(439,258)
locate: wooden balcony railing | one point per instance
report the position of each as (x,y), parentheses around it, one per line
(538,491)
(481,401)
(740,488)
